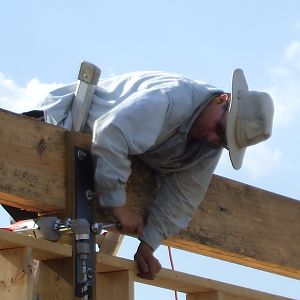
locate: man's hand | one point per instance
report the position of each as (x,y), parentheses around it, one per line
(131,222)
(148,265)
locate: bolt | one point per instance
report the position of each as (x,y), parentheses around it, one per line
(68,223)
(90,195)
(56,225)
(97,228)
(89,273)
(81,154)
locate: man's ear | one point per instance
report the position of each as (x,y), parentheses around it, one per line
(221,99)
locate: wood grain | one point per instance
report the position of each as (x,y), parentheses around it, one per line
(41,249)
(17,280)
(32,164)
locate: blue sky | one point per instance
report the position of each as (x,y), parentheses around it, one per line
(43,43)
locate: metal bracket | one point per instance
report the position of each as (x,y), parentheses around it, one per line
(84,244)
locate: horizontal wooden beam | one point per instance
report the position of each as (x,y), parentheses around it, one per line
(32,164)
(236,222)
(174,280)
(42,249)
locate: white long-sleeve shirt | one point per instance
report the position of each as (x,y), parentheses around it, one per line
(148,114)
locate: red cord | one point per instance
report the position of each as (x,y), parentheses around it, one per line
(172,266)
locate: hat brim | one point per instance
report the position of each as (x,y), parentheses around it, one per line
(239,87)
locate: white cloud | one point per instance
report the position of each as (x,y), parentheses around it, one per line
(18,99)
(292,55)
(261,161)
(286,86)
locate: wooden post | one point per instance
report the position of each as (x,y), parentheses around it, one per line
(55,280)
(16,276)
(117,285)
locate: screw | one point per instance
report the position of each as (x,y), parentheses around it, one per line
(81,154)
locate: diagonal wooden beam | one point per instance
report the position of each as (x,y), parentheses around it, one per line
(236,222)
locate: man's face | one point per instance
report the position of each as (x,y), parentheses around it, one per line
(211,123)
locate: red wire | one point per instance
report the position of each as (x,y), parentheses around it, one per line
(172,266)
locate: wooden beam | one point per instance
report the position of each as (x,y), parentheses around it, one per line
(216,296)
(32,164)
(245,225)
(236,222)
(182,282)
(42,249)
(110,244)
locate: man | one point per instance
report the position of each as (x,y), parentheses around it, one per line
(178,127)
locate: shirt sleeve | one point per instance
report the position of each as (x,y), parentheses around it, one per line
(129,129)
(178,198)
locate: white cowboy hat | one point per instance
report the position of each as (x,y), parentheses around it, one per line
(249,119)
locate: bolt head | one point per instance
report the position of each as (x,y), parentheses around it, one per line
(90,273)
(81,154)
(90,195)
